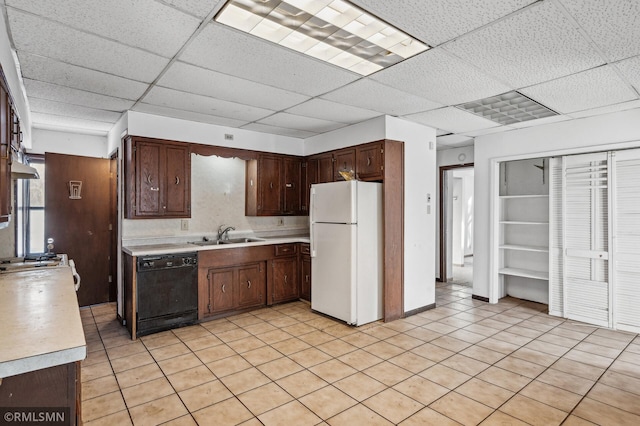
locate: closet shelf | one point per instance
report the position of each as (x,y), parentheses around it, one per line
(508,197)
(521,222)
(524,247)
(527,273)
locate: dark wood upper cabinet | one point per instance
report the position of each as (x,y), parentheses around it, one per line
(273,186)
(5,154)
(158,175)
(325,168)
(370,161)
(344,160)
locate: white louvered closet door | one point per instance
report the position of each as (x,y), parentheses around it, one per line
(556,286)
(626,242)
(585,208)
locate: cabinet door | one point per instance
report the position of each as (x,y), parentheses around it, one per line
(251,285)
(305,277)
(269,181)
(325,168)
(344,161)
(285,279)
(220,289)
(148,167)
(310,172)
(5,157)
(177,199)
(292,195)
(369,161)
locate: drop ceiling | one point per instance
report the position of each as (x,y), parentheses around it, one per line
(85,62)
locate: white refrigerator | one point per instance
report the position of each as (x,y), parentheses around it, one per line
(346,250)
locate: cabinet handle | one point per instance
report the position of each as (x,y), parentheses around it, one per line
(248,283)
(154,189)
(285,279)
(223,288)
(344,165)
(271,185)
(177,180)
(306,277)
(368,161)
(288,185)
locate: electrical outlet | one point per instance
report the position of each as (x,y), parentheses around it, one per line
(184,225)
(280,221)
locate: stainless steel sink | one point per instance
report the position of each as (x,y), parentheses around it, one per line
(206,243)
(241,240)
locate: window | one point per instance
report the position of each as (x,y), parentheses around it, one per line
(30,206)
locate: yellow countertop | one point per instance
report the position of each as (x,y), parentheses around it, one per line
(40,323)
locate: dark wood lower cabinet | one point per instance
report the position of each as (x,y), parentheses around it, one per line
(305,272)
(233,288)
(46,390)
(285,279)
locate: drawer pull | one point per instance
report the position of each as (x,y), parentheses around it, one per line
(223,288)
(248,283)
(177,180)
(368,161)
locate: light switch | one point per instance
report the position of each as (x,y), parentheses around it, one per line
(184,225)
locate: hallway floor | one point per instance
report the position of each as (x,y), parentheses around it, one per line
(465,362)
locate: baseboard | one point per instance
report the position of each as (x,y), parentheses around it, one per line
(418,310)
(481,298)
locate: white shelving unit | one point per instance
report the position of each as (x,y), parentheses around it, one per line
(523,246)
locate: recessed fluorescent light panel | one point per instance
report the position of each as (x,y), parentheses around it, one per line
(334,31)
(508,108)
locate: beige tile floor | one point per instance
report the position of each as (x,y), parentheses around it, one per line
(465,362)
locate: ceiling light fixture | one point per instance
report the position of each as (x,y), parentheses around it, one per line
(334,31)
(508,108)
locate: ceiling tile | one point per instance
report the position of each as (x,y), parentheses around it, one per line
(39,119)
(630,69)
(217,48)
(332,111)
(147,24)
(188,115)
(298,122)
(204,104)
(614,25)
(42,90)
(278,130)
(589,89)
(452,119)
(46,38)
(190,78)
(370,94)
(607,109)
(437,21)
(48,70)
(199,8)
(533,46)
(58,108)
(438,76)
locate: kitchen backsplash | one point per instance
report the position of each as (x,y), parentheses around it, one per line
(217,198)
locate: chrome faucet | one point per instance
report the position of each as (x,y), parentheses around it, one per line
(223,234)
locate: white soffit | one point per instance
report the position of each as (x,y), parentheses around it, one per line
(589,89)
(203,104)
(370,94)
(51,71)
(540,121)
(147,24)
(454,140)
(499,129)
(193,79)
(437,21)
(199,8)
(58,108)
(54,92)
(331,111)
(452,119)
(530,47)
(630,68)
(187,115)
(607,109)
(282,131)
(51,121)
(440,77)
(229,51)
(614,25)
(299,122)
(47,38)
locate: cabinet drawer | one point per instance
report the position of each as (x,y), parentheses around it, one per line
(305,248)
(285,249)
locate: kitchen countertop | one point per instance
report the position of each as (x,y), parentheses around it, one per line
(40,317)
(171,248)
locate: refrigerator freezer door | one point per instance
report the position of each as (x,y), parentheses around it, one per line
(334,202)
(333,291)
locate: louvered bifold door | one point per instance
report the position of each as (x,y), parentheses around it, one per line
(556,286)
(586,238)
(626,242)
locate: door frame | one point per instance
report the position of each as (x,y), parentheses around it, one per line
(443,243)
(114,198)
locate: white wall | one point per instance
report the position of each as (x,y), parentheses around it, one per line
(447,157)
(68,143)
(611,131)
(367,131)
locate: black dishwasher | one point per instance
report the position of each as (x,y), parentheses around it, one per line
(167,295)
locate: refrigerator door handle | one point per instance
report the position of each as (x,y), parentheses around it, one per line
(313,244)
(312,193)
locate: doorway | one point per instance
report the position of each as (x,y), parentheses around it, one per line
(456,223)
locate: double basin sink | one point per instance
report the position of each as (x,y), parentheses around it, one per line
(229,241)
